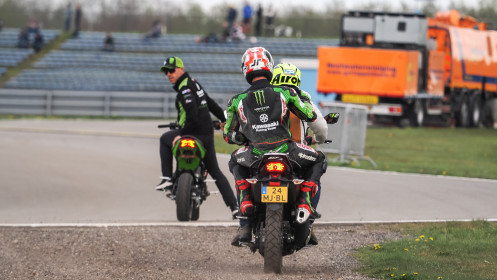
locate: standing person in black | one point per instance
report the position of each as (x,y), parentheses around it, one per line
(194,107)
(77,20)
(258,21)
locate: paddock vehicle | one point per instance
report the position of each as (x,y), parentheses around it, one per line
(410,68)
(189,187)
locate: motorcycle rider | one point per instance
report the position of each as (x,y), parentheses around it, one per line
(258,118)
(194,107)
(289,75)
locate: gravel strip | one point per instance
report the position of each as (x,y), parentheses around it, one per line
(172,253)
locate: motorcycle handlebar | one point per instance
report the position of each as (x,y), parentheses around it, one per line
(175,125)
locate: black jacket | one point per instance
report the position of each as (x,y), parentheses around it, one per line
(194,107)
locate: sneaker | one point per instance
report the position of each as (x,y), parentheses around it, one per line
(244,234)
(165,184)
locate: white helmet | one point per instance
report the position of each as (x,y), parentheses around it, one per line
(256,62)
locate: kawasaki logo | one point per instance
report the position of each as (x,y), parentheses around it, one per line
(265,127)
(259,97)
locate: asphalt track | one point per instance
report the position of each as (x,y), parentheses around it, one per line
(93,172)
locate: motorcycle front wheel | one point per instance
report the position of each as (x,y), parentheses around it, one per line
(184,197)
(273,241)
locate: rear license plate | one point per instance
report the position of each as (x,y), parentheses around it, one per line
(274,194)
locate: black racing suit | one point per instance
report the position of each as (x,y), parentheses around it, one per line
(194,107)
(259,117)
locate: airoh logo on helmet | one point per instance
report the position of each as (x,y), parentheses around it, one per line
(286,74)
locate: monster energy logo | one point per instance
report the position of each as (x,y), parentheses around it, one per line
(259,97)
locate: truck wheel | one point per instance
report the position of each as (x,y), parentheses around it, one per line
(417,113)
(462,117)
(487,118)
(475,110)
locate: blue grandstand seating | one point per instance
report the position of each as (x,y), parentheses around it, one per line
(8,36)
(186,43)
(80,64)
(11,57)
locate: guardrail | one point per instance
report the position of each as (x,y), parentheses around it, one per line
(348,135)
(92,103)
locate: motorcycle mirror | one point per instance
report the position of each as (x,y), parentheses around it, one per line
(332,118)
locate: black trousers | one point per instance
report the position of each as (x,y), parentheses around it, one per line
(210,161)
(312,161)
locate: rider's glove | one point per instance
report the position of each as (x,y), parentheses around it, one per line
(235,137)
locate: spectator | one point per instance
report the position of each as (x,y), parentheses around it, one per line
(258,21)
(209,38)
(77,20)
(108,43)
(247,18)
(237,33)
(156,30)
(33,27)
(1,25)
(67,17)
(38,42)
(23,39)
(231,17)
(270,13)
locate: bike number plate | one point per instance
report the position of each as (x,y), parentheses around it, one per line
(274,194)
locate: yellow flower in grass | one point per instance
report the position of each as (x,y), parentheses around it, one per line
(406,249)
(417,239)
(431,238)
(422,236)
(439,277)
(392,275)
(415,273)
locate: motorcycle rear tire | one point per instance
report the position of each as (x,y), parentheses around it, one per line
(273,243)
(184,197)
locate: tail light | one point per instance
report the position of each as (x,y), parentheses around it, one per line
(276,167)
(188,143)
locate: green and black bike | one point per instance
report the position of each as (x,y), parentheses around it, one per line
(189,187)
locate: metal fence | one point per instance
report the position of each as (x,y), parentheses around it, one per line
(92,103)
(348,134)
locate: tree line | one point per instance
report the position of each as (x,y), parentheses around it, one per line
(132,16)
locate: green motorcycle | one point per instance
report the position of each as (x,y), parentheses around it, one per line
(189,187)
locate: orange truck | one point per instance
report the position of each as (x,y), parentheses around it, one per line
(411,68)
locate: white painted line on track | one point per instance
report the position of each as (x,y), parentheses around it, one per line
(225,224)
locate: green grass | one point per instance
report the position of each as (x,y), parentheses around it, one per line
(438,151)
(454,250)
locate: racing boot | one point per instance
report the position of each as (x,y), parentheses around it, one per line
(246,204)
(243,235)
(313,240)
(304,207)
